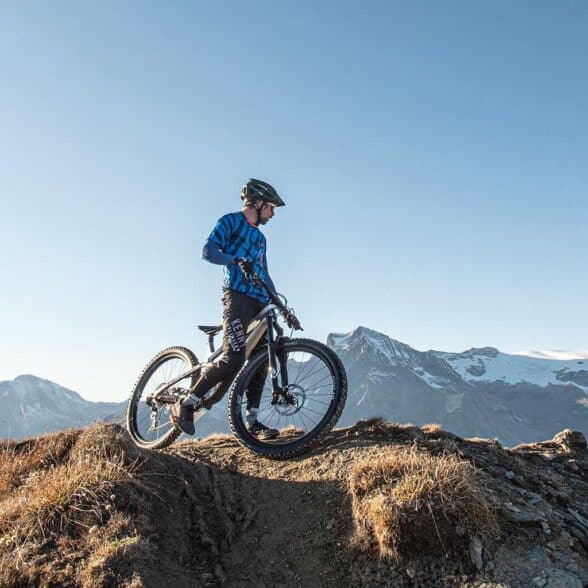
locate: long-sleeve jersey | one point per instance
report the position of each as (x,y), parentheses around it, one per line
(234,236)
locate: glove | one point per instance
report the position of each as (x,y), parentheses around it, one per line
(245,266)
(292,320)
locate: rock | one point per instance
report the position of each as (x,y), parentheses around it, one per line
(578,534)
(516,515)
(509,474)
(411,571)
(539,581)
(545,528)
(561,497)
(490,565)
(562,579)
(532,497)
(570,440)
(564,540)
(579,518)
(476,552)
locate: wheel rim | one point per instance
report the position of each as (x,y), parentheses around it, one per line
(149,425)
(311,391)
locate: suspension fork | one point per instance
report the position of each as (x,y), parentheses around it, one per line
(274,359)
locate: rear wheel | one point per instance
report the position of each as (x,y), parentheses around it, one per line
(149,422)
(312,404)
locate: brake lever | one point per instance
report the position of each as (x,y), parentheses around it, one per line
(288,314)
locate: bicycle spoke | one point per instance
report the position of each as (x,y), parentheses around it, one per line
(309,397)
(161,372)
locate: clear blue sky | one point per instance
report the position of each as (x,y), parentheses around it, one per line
(433,156)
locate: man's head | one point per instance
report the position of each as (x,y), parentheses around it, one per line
(261,197)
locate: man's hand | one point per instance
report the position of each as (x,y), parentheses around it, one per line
(245,266)
(292,320)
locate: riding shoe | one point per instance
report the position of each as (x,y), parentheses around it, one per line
(183,417)
(260,431)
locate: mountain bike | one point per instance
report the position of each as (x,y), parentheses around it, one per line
(303,397)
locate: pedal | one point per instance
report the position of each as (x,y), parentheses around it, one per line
(153,417)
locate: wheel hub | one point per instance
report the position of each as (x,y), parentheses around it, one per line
(292,401)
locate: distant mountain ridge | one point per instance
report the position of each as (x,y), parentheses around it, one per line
(32,405)
(478,392)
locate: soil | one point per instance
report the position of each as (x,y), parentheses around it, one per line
(210,513)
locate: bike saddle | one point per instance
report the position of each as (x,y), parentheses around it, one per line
(210,330)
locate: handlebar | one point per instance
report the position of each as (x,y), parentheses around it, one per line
(286,312)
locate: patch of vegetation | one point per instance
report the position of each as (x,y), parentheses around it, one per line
(409,501)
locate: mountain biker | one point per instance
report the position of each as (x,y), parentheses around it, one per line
(237,243)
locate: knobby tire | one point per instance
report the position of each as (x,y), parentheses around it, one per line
(313,437)
(134,401)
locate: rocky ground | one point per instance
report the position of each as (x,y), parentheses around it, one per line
(209,513)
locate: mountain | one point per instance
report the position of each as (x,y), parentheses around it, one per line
(479,392)
(490,365)
(31,406)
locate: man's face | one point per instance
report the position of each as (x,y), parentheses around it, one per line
(266,212)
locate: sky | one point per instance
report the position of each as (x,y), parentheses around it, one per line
(432,156)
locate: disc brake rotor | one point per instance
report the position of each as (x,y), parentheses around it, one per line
(292,402)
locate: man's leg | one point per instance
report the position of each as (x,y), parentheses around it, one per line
(257,383)
(253,394)
(238,311)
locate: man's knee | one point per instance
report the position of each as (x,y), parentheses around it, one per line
(234,362)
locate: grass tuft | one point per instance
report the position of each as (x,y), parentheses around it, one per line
(409,501)
(60,484)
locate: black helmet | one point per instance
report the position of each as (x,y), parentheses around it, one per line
(257,190)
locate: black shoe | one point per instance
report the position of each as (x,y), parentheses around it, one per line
(260,431)
(183,417)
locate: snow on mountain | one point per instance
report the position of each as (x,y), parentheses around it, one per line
(479,392)
(369,345)
(555,354)
(490,365)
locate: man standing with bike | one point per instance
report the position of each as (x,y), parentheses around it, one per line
(237,243)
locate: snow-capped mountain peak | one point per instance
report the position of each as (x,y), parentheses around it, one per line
(489,365)
(369,342)
(481,391)
(385,355)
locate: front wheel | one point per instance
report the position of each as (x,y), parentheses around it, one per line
(148,419)
(312,403)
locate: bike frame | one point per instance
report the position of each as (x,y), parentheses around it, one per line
(264,323)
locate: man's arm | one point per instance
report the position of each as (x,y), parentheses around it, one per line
(213,250)
(270,282)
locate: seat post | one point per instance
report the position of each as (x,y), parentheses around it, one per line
(211,332)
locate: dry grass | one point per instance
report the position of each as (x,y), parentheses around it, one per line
(432,428)
(59,485)
(411,501)
(20,460)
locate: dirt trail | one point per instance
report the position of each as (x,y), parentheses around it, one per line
(295,520)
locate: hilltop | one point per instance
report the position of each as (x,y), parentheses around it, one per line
(376,504)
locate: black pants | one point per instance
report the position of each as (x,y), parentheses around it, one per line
(239,310)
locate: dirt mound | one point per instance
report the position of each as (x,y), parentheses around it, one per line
(377,504)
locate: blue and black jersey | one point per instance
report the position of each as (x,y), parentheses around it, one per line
(234,236)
